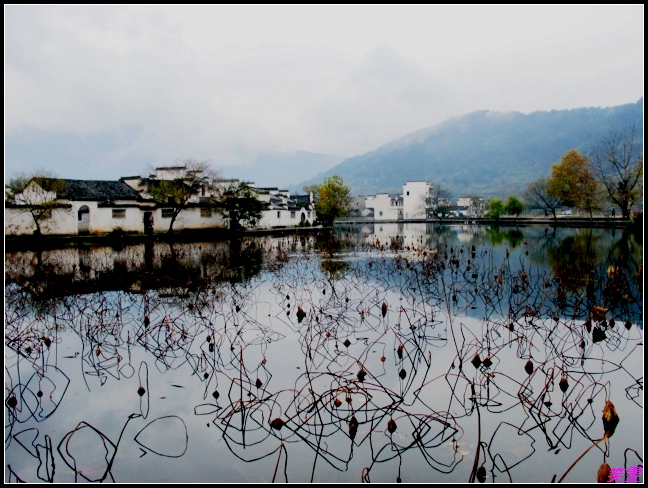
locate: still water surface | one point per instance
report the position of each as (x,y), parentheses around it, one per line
(379,353)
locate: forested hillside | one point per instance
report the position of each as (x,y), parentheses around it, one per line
(483,153)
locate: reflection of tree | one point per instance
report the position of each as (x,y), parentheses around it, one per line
(498,235)
(334,269)
(573,261)
(245,259)
(624,284)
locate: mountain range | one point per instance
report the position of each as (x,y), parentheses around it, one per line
(484,153)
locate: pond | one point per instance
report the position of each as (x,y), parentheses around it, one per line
(383,353)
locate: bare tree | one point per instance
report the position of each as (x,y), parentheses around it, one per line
(617,159)
(436,204)
(36,194)
(180,186)
(537,196)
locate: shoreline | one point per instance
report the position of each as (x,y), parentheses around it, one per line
(28,242)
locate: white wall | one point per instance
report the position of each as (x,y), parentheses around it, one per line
(282,218)
(189,218)
(66,222)
(414,195)
(384,207)
(19,222)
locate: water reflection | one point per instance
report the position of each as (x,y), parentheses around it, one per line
(417,354)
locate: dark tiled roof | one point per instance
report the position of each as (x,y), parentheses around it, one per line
(301,198)
(97,190)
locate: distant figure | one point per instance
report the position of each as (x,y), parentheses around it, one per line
(148,223)
(613,212)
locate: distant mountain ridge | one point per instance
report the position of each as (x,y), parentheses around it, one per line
(484,153)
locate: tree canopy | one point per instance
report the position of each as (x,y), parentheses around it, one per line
(573,181)
(514,206)
(333,199)
(238,202)
(495,209)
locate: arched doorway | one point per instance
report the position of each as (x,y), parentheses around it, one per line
(84,220)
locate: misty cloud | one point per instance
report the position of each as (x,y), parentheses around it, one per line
(231,84)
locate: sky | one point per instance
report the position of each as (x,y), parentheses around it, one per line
(100,92)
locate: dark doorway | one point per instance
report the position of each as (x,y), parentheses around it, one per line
(148,223)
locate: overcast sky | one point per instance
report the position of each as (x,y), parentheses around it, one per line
(103,92)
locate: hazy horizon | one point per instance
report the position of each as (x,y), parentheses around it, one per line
(99,92)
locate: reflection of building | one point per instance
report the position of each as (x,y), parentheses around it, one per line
(408,234)
(137,267)
(467,233)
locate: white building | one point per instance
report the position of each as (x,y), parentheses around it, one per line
(385,206)
(416,199)
(411,204)
(97,207)
(471,206)
(284,210)
(79,207)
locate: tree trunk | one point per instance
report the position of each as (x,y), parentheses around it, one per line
(173,219)
(625,210)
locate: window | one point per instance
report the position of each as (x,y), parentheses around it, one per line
(167,213)
(292,214)
(205,212)
(278,214)
(118,213)
(380,213)
(309,214)
(408,194)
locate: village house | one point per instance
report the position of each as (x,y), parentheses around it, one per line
(284,210)
(359,207)
(411,204)
(97,207)
(198,213)
(416,199)
(79,207)
(385,206)
(473,207)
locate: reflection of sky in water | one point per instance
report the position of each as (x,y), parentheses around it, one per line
(181,371)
